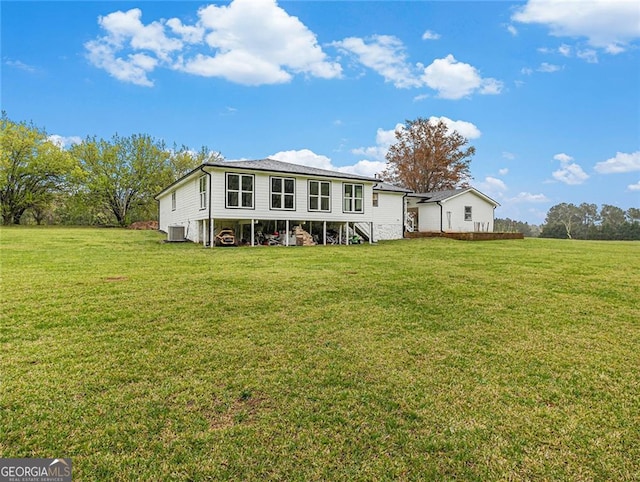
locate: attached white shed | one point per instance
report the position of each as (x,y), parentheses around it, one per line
(457,210)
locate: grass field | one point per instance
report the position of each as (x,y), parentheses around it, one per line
(426,359)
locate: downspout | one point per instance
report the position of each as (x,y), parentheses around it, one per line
(493,219)
(209,204)
(404,215)
(438,203)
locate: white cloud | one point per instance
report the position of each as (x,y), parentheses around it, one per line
(527,197)
(126,27)
(21,66)
(588,55)
(493,184)
(512,30)
(634,187)
(454,80)
(246,42)
(464,128)
(252,38)
(385,54)
(64,142)
(191,34)
(306,157)
(364,168)
(503,171)
(508,155)
(548,68)
(562,157)
(607,24)
(430,35)
(569,173)
(385,138)
(622,162)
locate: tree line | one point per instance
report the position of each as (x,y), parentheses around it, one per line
(95,182)
(584,221)
(114,181)
(587,221)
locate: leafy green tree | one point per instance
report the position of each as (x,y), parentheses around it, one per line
(184,160)
(613,221)
(121,174)
(427,157)
(508,225)
(120,177)
(586,222)
(32,169)
(633,215)
(561,218)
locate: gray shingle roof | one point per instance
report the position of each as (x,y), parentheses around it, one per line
(272,165)
(437,196)
(385,186)
(432,197)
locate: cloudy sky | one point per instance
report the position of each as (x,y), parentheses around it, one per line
(547,91)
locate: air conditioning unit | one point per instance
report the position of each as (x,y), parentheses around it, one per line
(176,234)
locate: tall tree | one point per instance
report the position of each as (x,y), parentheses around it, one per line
(32,169)
(184,160)
(427,157)
(123,173)
(562,218)
(633,214)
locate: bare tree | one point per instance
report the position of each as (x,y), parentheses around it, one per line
(427,157)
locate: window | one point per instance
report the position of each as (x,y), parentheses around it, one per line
(173,201)
(282,193)
(239,190)
(353,198)
(202,187)
(375,199)
(467,213)
(319,196)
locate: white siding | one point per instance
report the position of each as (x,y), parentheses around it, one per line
(429,217)
(187,211)
(189,214)
(262,200)
(481,214)
(387,216)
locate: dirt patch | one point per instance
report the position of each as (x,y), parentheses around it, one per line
(144,225)
(116,278)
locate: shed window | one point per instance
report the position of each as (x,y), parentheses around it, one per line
(375,199)
(467,213)
(173,201)
(353,194)
(282,193)
(319,196)
(239,190)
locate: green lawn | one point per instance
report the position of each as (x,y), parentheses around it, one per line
(427,359)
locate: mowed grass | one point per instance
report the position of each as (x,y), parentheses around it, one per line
(426,359)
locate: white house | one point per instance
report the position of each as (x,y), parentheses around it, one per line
(263,197)
(458,210)
(268,200)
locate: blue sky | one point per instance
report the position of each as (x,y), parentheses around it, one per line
(548,92)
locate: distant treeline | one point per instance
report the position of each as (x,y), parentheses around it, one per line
(585,221)
(94,182)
